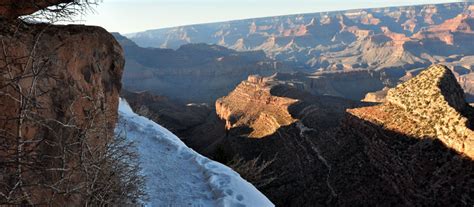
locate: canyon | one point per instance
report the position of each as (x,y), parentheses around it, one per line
(363,115)
(381,38)
(328,150)
(395,43)
(367,107)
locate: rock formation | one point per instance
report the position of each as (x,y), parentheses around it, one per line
(324,35)
(248,105)
(210,72)
(59,91)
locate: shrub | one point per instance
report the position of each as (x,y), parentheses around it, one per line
(256,171)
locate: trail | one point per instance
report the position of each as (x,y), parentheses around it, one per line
(304,129)
(177,175)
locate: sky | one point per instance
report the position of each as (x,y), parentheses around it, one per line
(128,16)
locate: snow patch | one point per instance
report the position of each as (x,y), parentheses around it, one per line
(177,175)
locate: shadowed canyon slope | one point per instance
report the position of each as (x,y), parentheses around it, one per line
(414,149)
(59,91)
(193,72)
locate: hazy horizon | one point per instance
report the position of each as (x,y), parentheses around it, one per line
(127,16)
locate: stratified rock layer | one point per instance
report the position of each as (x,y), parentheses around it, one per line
(252,105)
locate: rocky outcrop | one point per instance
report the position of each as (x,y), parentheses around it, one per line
(332,151)
(436,104)
(59,91)
(252,105)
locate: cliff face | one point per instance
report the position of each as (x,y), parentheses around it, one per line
(59,86)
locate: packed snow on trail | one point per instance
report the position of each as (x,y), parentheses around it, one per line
(177,175)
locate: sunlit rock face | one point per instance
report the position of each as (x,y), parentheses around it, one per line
(252,105)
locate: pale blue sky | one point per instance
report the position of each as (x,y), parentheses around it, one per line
(128,16)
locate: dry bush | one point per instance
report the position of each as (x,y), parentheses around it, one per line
(68,11)
(255,171)
(120,182)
